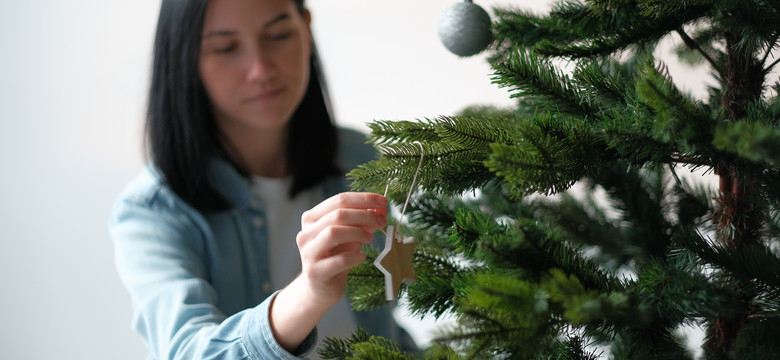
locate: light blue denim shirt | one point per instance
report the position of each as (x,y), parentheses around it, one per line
(200,282)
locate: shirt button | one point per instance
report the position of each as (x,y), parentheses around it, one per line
(258,221)
(267,286)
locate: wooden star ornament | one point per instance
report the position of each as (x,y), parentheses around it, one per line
(395,262)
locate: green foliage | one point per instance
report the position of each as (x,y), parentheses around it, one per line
(527,74)
(545,159)
(677,117)
(754,264)
(752,141)
(362,346)
(609,84)
(453,149)
(756,340)
(576,221)
(581,305)
(335,348)
(658,8)
(587,29)
(365,284)
(696,297)
(499,312)
(440,281)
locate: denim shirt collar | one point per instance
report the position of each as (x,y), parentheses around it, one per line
(353,151)
(236,190)
(229,183)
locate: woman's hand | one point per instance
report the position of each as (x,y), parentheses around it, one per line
(332,234)
(330,241)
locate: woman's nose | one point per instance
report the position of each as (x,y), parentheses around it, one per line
(260,67)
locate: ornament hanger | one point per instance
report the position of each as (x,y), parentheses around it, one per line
(395,261)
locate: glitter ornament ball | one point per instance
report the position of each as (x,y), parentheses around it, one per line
(464,29)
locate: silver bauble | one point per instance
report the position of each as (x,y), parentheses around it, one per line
(464,29)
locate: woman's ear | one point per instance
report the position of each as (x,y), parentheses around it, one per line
(306,14)
(307,17)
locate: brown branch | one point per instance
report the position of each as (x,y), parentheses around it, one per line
(769,51)
(769,68)
(693,45)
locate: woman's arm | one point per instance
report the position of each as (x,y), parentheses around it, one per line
(160,247)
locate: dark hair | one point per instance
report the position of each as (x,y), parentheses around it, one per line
(182,133)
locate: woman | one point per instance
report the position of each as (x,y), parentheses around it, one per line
(245,190)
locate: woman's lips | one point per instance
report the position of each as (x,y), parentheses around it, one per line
(265,96)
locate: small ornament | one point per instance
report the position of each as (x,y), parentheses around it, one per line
(464,29)
(395,262)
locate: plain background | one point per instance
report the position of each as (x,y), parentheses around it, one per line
(73,80)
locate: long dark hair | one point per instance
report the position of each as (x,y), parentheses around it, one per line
(182,133)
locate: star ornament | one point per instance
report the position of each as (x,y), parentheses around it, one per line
(395,262)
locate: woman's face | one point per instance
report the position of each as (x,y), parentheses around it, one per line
(254,62)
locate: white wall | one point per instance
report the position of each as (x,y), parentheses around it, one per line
(73,77)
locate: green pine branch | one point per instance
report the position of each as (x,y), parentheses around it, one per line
(755,341)
(576,29)
(550,155)
(362,346)
(527,74)
(677,117)
(751,139)
(610,84)
(450,163)
(386,132)
(365,283)
(684,280)
(500,313)
(659,8)
(440,281)
(749,264)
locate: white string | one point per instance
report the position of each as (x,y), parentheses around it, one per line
(414,181)
(388,183)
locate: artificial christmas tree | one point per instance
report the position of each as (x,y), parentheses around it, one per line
(533,270)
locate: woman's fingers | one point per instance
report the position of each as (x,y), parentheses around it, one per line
(337,265)
(367,211)
(368,221)
(381,211)
(347,200)
(340,260)
(331,240)
(347,248)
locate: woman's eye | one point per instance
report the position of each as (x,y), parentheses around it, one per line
(224,49)
(281,36)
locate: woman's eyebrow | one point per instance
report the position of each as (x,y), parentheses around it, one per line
(218,33)
(278,18)
(281,17)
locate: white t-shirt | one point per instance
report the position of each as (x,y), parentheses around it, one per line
(283,217)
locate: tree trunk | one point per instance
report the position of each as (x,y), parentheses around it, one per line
(740,212)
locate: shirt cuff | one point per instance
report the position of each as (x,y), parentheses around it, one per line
(260,340)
